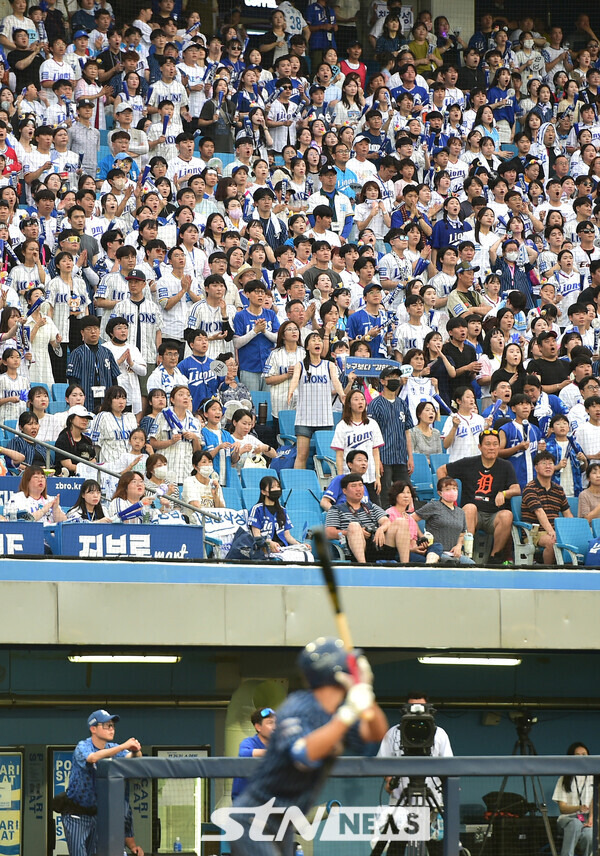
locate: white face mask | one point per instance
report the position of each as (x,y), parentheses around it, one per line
(205,471)
(511,257)
(528,44)
(161,472)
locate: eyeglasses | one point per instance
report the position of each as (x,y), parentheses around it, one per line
(287,87)
(234,48)
(109,726)
(118,241)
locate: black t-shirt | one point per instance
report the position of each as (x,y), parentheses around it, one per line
(481,485)
(550,371)
(84,447)
(502,374)
(460,358)
(28,75)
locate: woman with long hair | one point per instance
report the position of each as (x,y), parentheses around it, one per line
(485,237)
(280,365)
(130,491)
(402,497)
(32,498)
(248,444)
(484,123)
(349,109)
(574,795)
(41,333)
(271,521)
(88,506)
(440,366)
(356,430)
(511,368)
(213,233)
(425,439)
(462,429)
(371,211)
(491,360)
(133,98)
(112,426)
(38,402)
(261,136)
(69,301)
(316,380)
(88,87)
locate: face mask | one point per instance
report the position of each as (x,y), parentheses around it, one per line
(450,494)
(5,105)
(393,384)
(161,472)
(119,184)
(274,493)
(528,44)
(205,471)
(235,213)
(511,257)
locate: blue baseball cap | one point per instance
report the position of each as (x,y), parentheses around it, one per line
(80,33)
(99,716)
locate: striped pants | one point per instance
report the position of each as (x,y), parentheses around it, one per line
(81,834)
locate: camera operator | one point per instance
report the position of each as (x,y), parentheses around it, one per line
(391,747)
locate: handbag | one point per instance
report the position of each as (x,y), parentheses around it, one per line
(246,548)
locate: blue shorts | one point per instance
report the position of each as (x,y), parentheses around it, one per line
(308,431)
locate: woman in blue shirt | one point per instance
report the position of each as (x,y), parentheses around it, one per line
(503,105)
(270,520)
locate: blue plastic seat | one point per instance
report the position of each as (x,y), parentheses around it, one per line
(58,391)
(296,480)
(421,478)
(287,426)
(57,407)
(572,540)
(596,527)
(232,497)
(250,496)
(324,458)
(260,398)
(573,505)
(251,476)
(439,459)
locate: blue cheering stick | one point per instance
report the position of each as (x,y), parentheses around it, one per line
(172,421)
(132,512)
(442,404)
(255,90)
(166,120)
(145,175)
(192,28)
(125,90)
(220,98)
(157,270)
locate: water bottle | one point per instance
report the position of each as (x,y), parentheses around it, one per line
(12,514)
(299,850)
(262,413)
(468,545)
(177,847)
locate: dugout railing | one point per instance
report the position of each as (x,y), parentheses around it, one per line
(112,773)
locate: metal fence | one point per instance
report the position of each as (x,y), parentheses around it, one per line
(111,776)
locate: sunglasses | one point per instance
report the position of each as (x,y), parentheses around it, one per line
(267,711)
(487,431)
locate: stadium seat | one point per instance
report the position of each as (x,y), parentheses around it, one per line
(596,527)
(572,538)
(436,461)
(304,511)
(439,424)
(421,478)
(57,407)
(251,476)
(287,426)
(324,458)
(259,398)
(337,415)
(232,497)
(58,391)
(573,505)
(521,534)
(296,480)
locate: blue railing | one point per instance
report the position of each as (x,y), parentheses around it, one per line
(111,776)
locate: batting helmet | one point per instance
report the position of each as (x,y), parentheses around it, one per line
(322,659)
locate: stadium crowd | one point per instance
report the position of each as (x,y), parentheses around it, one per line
(190,216)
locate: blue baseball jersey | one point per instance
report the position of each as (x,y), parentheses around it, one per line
(263,518)
(202,382)
(253,356)
(82,779)
(361,322)
(280,775)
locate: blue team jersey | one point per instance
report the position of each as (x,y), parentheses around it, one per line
(202,382)
(263,518)
(334,492)
(253,356)
(82,779)
(361,322)
(317,14)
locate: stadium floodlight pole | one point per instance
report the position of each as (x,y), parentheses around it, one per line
(50,448)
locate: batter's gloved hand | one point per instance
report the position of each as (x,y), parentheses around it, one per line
(359,698)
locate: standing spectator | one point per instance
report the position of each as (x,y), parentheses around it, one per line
(177,434)
(392,414)
(263,721)
(255,333)
(356,430)
(92,365)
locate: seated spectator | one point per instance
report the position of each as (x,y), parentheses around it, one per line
(402,498)
(248,443)
(127,504)
(134,459)
(544,501)
(269,519)
(446,520)
(22,453)
(199,489)
(52,425)
(88,507)
(488,483)
(364,529)
(73,439)
(231,388)
(357,461)
(32,499)
(426,440)
(461,430)
(589,499)
(157,474)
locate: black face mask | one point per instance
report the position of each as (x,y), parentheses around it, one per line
(393,384)
(275,494)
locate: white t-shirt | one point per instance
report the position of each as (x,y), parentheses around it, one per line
(357,435)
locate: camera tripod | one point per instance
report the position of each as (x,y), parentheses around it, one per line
(417,794)
(523,746)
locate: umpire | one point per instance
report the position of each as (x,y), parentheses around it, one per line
(78,810)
